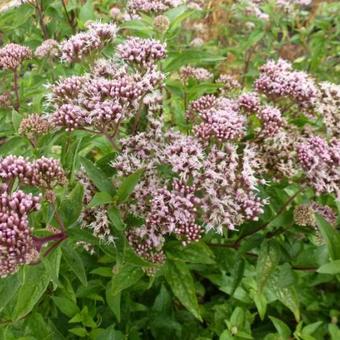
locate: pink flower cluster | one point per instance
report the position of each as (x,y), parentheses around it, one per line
(95,218)
(230,197)
(12,56)
(222,124)
(48,49)
(141,52)
(221,118)
(155,6)
(328,107)
(198,73)
(171,212)
(83,44)
(17,245)
(69,116)
(271,121)
(249,102)
(278,79)
(34,125)
(213,186)
(321,162)
(5,100)
(102,100)
(43,172)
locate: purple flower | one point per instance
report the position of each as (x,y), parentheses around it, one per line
(222,124)
(321,163)
(142,52)
(17,245)
(70,117)
(277,79)
(48,49)
(12,56)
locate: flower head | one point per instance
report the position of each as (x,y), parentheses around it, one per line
(17,245)
(48,49)
(142,52)
(12,56)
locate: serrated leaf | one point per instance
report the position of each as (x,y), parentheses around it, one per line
(281,328)
(115,218)
(125,276)
(86,12)
(261,304)
(182,285)
(311,328)
(75,262)
(66,306)
(35,282)
(286,295)
(16,119)
(330,268)
(71,205)
(97,176)
(102,271)
(266,264)
(81,332)
(197,252)
(237,274)
(52,265)
(331,236)
(113,301)
(8,289)
(100,198)
(128,185)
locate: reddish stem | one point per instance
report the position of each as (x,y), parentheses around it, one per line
(40,241)
(16,89)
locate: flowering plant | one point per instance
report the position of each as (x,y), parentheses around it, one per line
(165,176)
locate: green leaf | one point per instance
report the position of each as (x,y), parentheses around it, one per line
(182,285)
(334,331)
(16,119)
(52,265)
(97,176)
(11,145)
(281,328)
(100,198)
(115,218)
(197,252)
(237,274)
(286,295)
(113,301)
(8,289)
(102,271)
(311,328)
(261,304)
(226,335)
(75,262)
(125,276)
(86,12)
(81,332)
(330,268)
(35,282)
(71,205)
(266,264)
(66,306)
(85,318)
(331,236)
(128,185)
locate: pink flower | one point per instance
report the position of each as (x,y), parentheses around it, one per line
(17,245)
(12,56)
(142,52)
